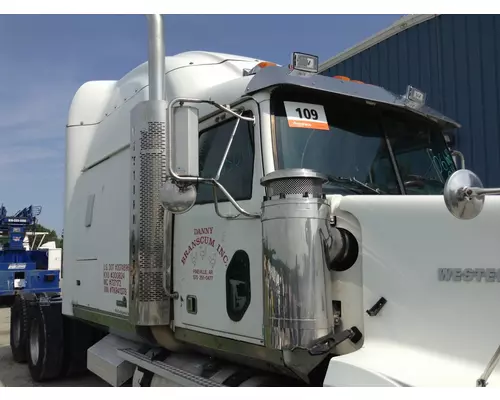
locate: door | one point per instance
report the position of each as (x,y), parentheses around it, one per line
(218,261)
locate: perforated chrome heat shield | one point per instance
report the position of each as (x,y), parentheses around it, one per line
(282,185)
(150,225)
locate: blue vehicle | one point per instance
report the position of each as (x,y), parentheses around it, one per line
(23,269)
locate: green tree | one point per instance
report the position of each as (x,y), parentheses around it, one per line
(49,237)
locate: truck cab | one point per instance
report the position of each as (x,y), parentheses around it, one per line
(225,213)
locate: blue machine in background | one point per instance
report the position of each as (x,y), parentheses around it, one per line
(21,269)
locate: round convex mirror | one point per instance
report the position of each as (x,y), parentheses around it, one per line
(178,199)
(461,204)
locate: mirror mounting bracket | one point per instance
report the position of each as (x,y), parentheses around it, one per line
(192,180)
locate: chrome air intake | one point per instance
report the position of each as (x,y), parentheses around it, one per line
(295,223)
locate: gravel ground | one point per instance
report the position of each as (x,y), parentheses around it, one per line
(13,374)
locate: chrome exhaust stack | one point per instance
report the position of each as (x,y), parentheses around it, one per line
(156,57)
(150,224)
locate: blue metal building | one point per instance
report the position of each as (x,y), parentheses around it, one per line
(455,59)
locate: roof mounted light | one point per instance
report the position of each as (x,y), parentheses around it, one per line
(306,63)
(414,97)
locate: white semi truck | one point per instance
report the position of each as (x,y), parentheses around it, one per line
(231,222)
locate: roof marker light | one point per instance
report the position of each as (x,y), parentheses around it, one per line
(346,79)
(258,67)
(265,64)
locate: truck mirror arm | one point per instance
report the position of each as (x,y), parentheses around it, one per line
(216,206)
(483,380)
(460,155)
(226,152)
(233,202)
(196,179)
(217,176)
(476,191)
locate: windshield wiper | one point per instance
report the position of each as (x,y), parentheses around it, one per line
(353,182)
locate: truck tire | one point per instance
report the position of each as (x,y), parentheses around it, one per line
(45,344)
(19,328)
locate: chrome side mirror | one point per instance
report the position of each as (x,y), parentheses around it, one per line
(459,194)
(464,194)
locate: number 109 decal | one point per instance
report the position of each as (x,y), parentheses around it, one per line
(305,115)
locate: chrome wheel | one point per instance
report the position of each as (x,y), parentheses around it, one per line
(34,342)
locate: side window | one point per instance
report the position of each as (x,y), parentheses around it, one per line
(238,294)
(237,172)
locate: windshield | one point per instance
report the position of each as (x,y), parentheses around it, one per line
(351,142)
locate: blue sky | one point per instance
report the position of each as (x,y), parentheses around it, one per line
(45,58)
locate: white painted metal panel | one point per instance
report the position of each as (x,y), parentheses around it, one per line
(431,332)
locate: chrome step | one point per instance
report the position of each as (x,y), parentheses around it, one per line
(164,370)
